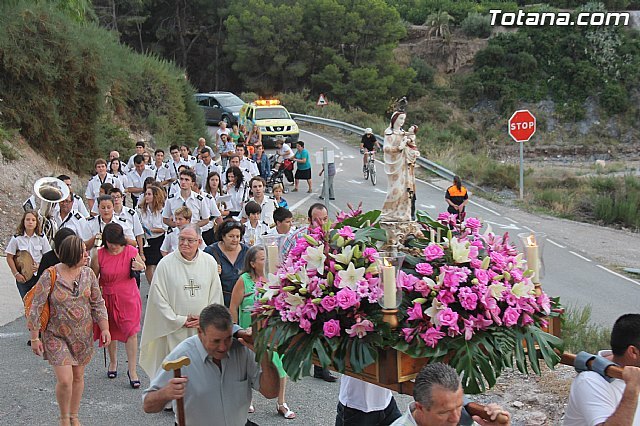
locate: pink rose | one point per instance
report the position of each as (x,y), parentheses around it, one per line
(331,328)
(305,324)
(473,223)
(446,296)
(346,298)
(482,276)
(415,312)
(310,310)
(431,337)
(407,281)
(424,269)
(468,299)
(370,254)
(433,251)
(329,303)
(510,317)
(422,287)
(448,317)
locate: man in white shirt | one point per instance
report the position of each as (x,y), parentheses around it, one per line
(222,130)
(136,178)
(204,166)
(93,187)
(247,163)
(595,400)
(283,219)
(175,162)
(196,202)
(234,161)
(161,171)
(66,217)
(78,204)
(267,204)
(202,144)
(284,153)
(140,148)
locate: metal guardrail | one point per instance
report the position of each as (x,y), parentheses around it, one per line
(347,127)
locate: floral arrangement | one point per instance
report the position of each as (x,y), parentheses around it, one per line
(324,298)
(467,300)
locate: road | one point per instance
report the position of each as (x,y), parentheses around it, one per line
(570,274)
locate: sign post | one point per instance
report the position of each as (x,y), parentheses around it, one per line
(522,125)
(322,100)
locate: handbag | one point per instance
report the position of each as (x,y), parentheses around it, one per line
(28,301)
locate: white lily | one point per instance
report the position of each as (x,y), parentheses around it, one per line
(522,289)
(460,250)
(314,256)
(351,277)
(273,286)
(294,300)
(496,290)
(431,283)
(432,312)
(345,256)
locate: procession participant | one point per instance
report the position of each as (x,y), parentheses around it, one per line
(237,189)
(187,158)
(284,222)
(254,228)
(234,161)
(116,154)
(217,383)
(96,224)
(170,243)
(285,153)
(215,217)
(186,197)
(66,217)
(229,252)
(246,162)
(226,148)
(51,258)
(235,134)
(113,265)
(303,166)
(204,166)
(222,130)
(140,148)
(147,159)
(28,238)
(262,161)
(78,204)
(174,162)
(101,177)
(202,144)
(317,215)
(254,137)
(267,204)
(213,187)
(439,400)
(365,404)
(278,190)
(75,304)
(174,188)
(597,401)
(117,168)
(131,215)
(184,283)
(136,178)
(150,213)
(105,189)
(161,171)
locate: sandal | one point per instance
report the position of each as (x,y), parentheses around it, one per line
(74,419)
(252,409)
(135,384)
(294,190)
(284,411)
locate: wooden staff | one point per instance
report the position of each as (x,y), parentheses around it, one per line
(613,371)
(176,366)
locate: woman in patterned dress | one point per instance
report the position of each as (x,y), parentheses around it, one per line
(67,343)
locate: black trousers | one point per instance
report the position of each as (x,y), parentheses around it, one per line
(346,416)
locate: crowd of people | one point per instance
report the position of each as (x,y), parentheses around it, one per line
(194,226)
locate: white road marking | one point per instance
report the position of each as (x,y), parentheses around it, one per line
(580,256)
(486,208)
(510,220)
(301,202)
(618,275)
(321,137)
(502,225)
(528,229)
(355,181)
(9,335)
(429,184)
(379,190)
(428,206)
(351,157)
(555,244)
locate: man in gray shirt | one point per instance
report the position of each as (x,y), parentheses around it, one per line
(218,382)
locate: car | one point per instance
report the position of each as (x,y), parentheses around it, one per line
(219,106)
(272,118)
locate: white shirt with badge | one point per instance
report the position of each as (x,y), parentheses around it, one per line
(189,161)
(78,206)
(214,211)
(93,187)
(197,149)
(203,170)
(174,166)
(170,243)
(268,206)
(250,165)
(151,220)
(96,226)
(253,236)
(132,217)
(136,180)
(36,245)
(74,221)
(161,173)
(196,203)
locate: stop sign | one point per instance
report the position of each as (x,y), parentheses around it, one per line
(522,125)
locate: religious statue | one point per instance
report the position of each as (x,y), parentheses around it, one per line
(400,154)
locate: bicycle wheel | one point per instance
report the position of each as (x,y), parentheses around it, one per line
(372,174)
(365,171)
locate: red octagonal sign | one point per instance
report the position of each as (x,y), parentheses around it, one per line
(522,125)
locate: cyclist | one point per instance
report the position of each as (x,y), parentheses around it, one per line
(367,144)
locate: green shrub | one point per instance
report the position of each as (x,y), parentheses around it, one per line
(476,25)
(614,98)
(580,333)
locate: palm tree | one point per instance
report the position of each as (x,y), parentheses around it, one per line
(438,23)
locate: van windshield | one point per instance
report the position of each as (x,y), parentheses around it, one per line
(271,113)
(229,100)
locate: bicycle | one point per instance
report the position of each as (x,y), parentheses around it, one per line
(369,169)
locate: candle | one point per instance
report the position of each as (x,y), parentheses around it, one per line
(533,258)
(439,230)
(272,258)
(389,282)
(432,235)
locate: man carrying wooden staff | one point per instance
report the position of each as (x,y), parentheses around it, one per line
(596,399)
(208,393)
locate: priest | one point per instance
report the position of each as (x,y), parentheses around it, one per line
(184,283)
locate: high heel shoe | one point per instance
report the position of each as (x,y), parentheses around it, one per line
(113,374)
(134,383)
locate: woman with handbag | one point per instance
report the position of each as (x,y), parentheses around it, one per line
(115,265)
(70,291)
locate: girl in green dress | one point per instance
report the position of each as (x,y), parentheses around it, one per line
(242,299)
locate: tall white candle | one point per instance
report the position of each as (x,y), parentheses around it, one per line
(389,281)
(272,256)
(533,259)
(439,231)
(432,234)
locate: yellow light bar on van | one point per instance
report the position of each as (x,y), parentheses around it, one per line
(267,102)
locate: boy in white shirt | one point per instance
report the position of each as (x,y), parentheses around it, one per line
(254,228)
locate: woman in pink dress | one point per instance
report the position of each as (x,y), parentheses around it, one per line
(113,265)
